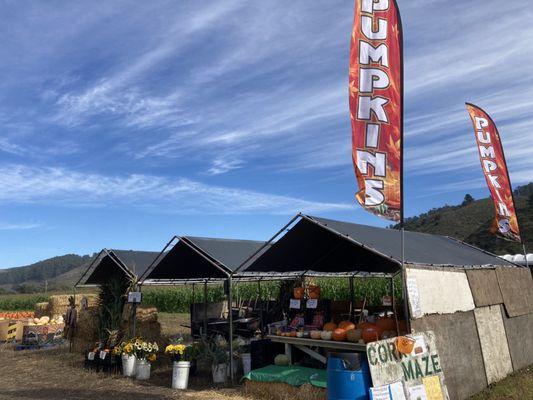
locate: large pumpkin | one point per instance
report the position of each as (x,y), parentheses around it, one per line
(330,326)
(298,293)
(371,333)
(314,292)
(339,335)
(347,325)
(386,323)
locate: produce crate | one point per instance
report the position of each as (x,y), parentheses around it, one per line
(10,331)
(39,334)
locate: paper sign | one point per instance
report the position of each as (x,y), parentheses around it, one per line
(103,354)
(380,393)
(90,356)
(386,301)
(420,346)
(295,303)
(433,388)
(134,297)
(417,392)
(312,303)
(414,297)
(397,391)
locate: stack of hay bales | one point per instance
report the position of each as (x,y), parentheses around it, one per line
(147,326)
(58,304)
(86,334)
(283,391)
(40,309)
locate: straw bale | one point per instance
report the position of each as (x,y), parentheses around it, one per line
(283,391)
(144,313)
(41,309)
(150,331)
(86,334)
(58,304)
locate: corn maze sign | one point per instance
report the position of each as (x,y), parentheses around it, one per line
(420,372)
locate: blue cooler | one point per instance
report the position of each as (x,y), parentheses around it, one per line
(348,376)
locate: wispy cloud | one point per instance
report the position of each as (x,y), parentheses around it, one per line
(22,184)
(18,226)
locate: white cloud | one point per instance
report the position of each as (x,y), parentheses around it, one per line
(21,184)
(18,226)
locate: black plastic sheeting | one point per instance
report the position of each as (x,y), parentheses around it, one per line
(122,264)
(203,258)
(324,245)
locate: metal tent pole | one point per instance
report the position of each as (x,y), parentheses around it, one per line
(525,254)
(230,319)
(404,285)
(352,299)
(205,309)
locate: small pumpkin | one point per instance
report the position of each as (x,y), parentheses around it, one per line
(315,334)
(326,335)
(330,326)
(354,335)
(314,291)
(281,359)
(339,335)
(346,325)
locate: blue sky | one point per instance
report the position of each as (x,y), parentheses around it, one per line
(124,123)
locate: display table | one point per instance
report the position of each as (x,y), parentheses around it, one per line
(305,345)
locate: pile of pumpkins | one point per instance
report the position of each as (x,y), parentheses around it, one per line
(56,319)
(364,332)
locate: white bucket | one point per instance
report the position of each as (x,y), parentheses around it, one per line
(219,373)
(142,368)
(180,374)
(246,363)
(128,365)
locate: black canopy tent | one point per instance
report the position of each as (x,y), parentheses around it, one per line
(322,247)
(124,264)
(189,260)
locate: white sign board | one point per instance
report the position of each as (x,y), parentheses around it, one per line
(420,368)
(295,303)
(134,297)
(312,303)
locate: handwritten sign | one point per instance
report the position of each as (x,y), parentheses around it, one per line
(135,297)
(387,365)
(295,303)
(433,387)
(414,297)
(312,303)
(90,356)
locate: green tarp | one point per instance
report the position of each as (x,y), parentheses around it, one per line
(293,375)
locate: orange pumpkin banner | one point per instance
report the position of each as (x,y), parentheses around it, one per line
(494,168)
(376,106)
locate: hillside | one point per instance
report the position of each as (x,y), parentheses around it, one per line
(471,222)
(56,272)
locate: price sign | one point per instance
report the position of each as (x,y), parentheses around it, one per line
(90,356)
(295,303)
(135,297)
(103,354)
(312,303)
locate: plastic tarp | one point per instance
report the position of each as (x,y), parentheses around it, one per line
(293,375)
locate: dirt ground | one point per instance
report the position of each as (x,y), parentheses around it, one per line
(58,374)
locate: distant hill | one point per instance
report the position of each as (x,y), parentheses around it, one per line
(471,221)
(55,273)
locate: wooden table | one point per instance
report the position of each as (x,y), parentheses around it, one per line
(305,345)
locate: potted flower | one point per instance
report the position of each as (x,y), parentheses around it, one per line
(145,353)
(217,355)
(243,352)
(125,350)
(181,355)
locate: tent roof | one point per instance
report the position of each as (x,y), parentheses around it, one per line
(125,264)
(325,245)
(197,258)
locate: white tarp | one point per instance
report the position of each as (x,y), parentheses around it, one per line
(438,292)
(493,341)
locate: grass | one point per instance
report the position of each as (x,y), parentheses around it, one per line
(518,386)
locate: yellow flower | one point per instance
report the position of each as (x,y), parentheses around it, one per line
(152,357)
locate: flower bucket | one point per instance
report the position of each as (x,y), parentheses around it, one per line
(219,373)
(180,374)
(128,365)
(246,359)
(142,368)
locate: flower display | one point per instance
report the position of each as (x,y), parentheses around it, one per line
(181,352)
(138,347)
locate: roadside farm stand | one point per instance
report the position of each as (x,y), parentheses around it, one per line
(479,306)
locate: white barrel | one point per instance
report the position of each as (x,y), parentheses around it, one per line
(246,363)
(142,368)
(180,374)
(128,365)
(219,373)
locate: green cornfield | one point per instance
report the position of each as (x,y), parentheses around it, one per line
(178,298)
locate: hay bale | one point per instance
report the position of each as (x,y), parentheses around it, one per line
(58,304)
(41,309)
(150,331)
(86,334)
(144,313)
(283,391)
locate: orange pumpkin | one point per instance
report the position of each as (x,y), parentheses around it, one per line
(405,344)
(371,333)
(386,323)
(314,291)
(346,325)
(298,293)
(339,335)
(330,326)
